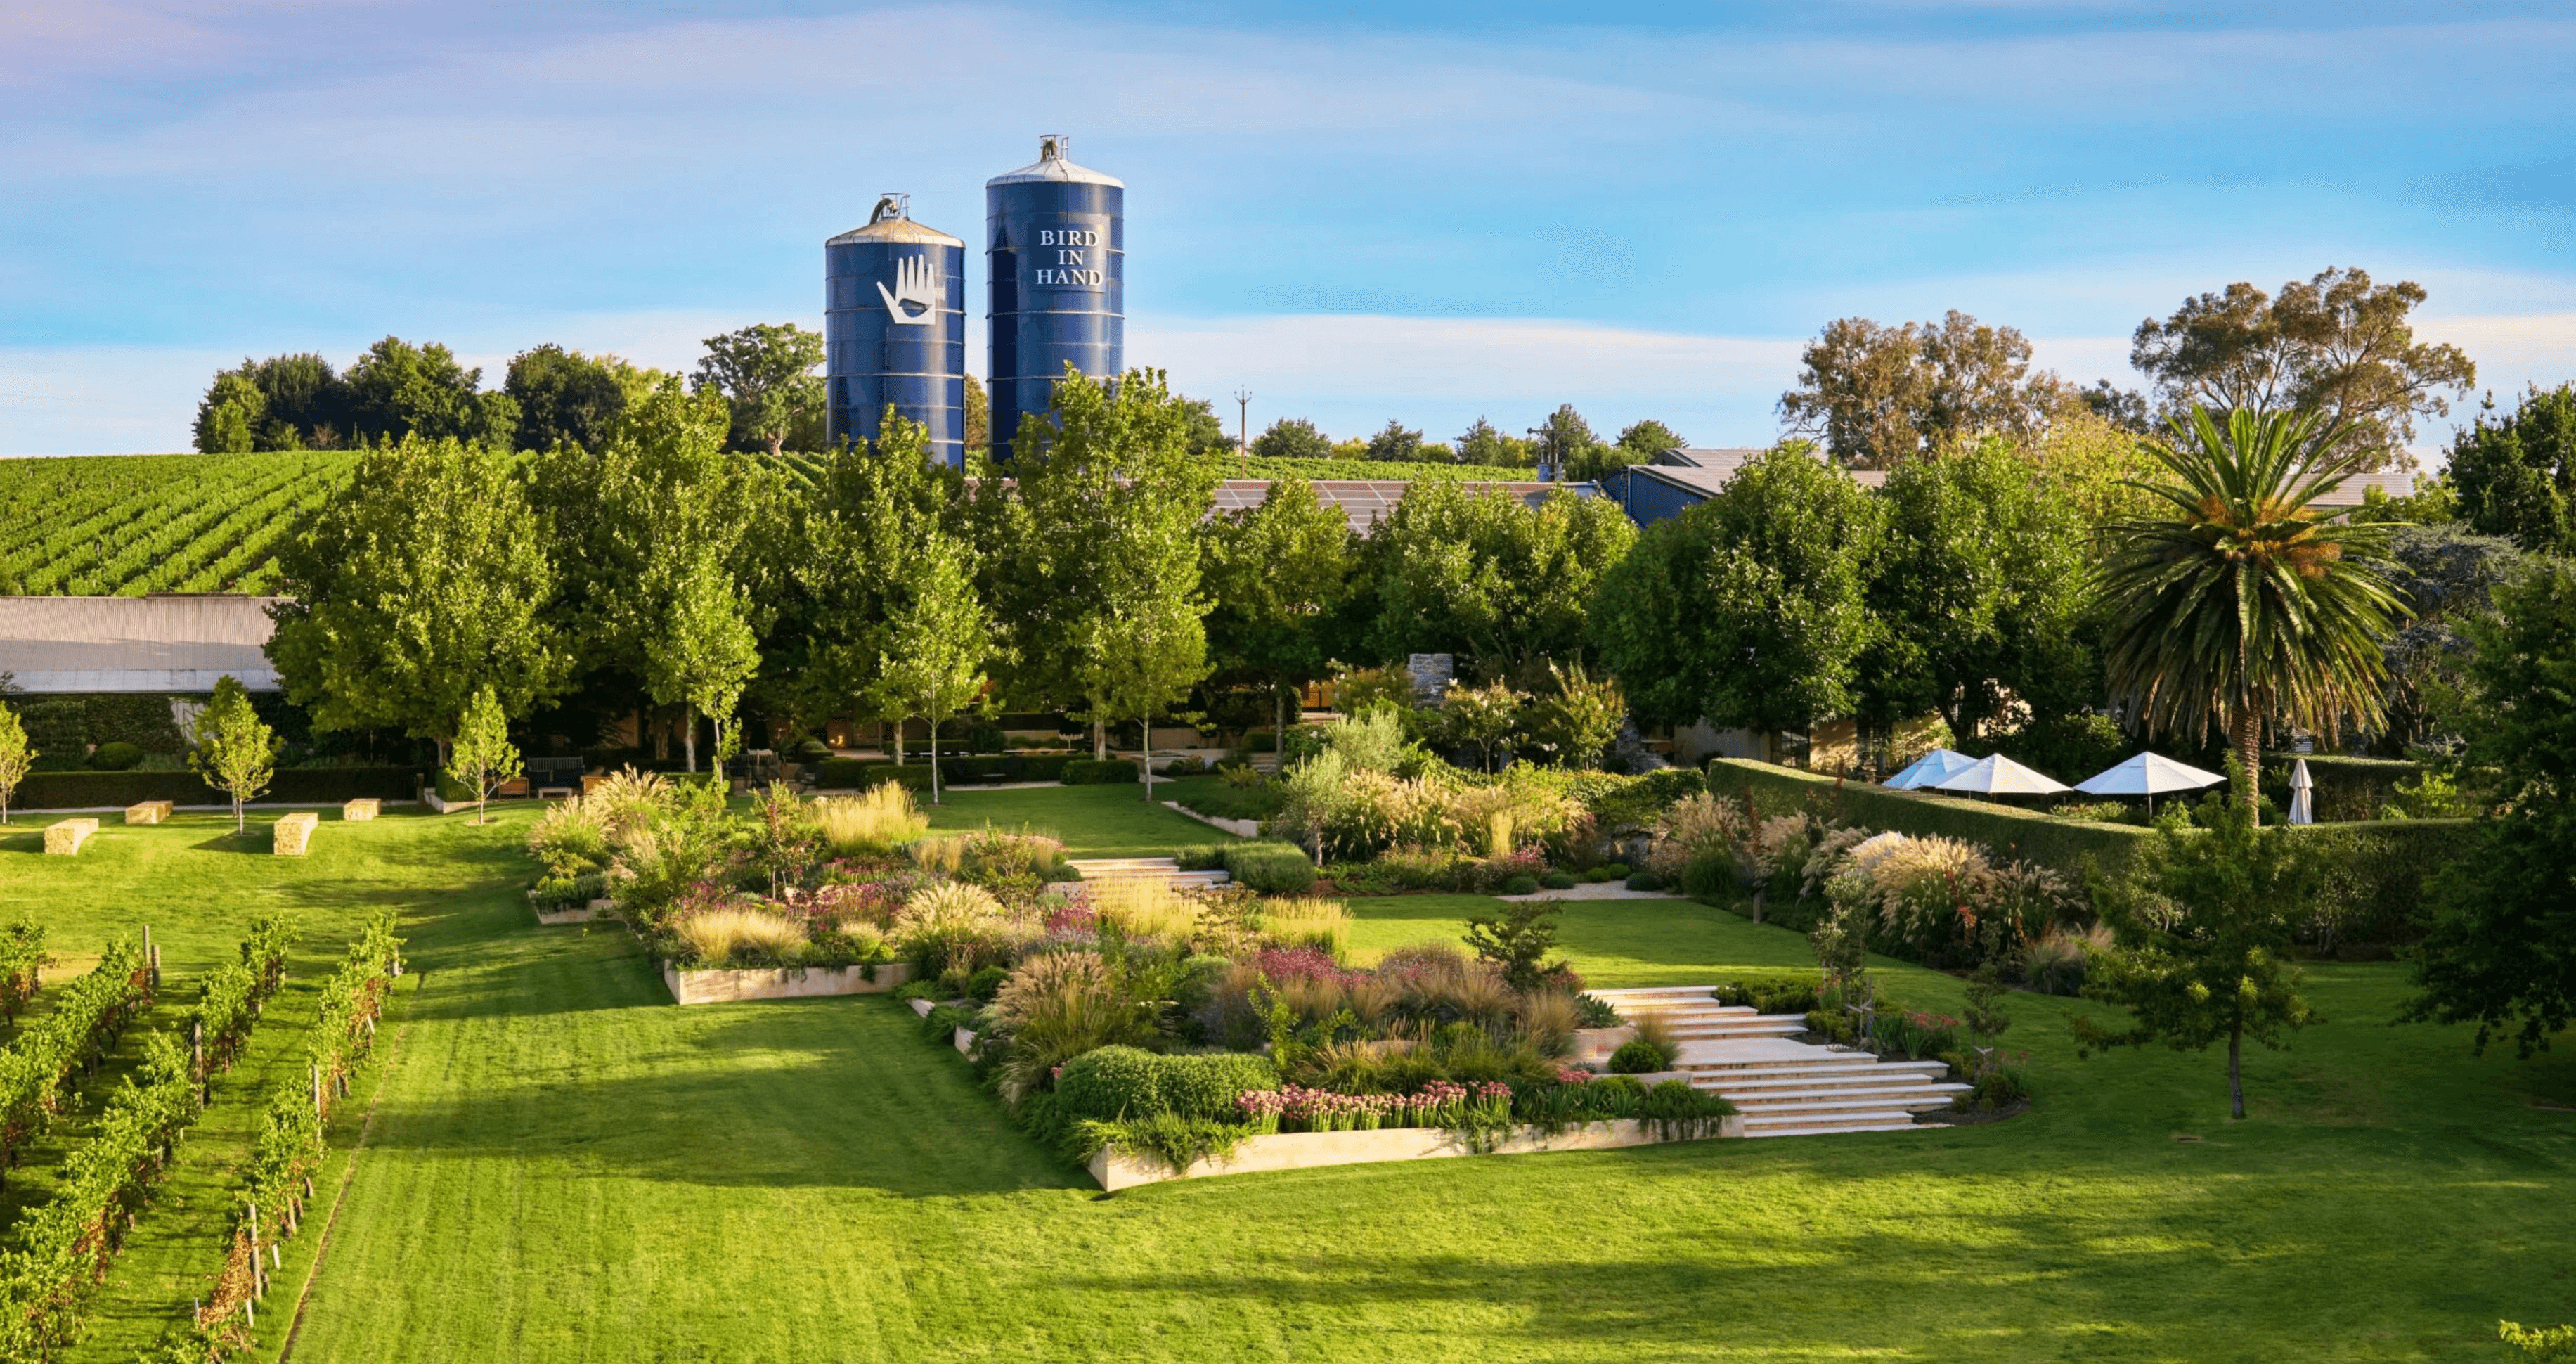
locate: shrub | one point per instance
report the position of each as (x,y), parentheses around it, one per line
(1110,1083)
(1205,1085)
(986,983)
(115,757)
(1522,884)
(1185,767)
(1611,871)
(1270,868)
(1557,880)
(569,839)
(1597,1012)
(1645,880)
(1681,1113)
(1145,907)
(1199,857)
(2060,844)
(1636,1057)
(838,773)
(873,823)
(2055,965)
(1517,942)
(950,925)
(1098,772)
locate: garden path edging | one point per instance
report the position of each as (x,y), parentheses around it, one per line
(1114,1170)
(1240,828)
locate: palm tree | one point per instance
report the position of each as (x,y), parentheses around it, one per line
(2245,601)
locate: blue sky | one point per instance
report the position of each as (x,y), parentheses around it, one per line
(1431,212)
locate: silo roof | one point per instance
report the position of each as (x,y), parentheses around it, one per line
(899,230)
(1056,170)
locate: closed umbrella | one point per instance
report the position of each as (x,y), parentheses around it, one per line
(1929,768)
(2302,809)
(2000,776)
(2149,775)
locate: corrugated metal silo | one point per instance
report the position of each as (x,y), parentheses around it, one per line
(1056,264)
(894,329)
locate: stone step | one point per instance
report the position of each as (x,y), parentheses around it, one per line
(1739,1027)
(1088,865)
(1832,1130)
(1845,1103)
(1836,1084)
(1837,1117)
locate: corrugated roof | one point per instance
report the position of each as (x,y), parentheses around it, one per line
(148,644)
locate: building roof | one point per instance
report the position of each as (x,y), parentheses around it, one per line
(173,643)
(2357,488)
(1366,501)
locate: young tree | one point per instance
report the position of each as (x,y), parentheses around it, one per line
(979,417)
(2447,577)
(2335,346)
(937,639)
(235,752)
(858,531)
(1750,609)
(17,759)
(1396,443)
(2502,951)
(1878,396)
(705,654)
(483,757)
(421,581)
(1642,441)
(2516,473)
(2243,603)
(1142,658)
(1479,573)
(1279,577)
(2203,941)
(767,372)
(1292,438)
(1482,718)
(1578,721)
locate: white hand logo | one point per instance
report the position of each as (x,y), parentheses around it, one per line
(916,287)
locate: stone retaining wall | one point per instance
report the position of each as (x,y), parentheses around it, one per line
(1113,1169)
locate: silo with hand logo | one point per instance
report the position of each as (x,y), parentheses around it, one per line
(894,330)
(1056,265)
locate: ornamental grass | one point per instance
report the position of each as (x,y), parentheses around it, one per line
(1145,908)
(873,823)
(728,934)
(1305,921)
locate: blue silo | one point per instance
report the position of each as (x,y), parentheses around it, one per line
(1056,262)
(894,329)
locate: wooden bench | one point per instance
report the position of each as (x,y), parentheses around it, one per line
(294,832)
(148,812)
(64,837)
(365,807)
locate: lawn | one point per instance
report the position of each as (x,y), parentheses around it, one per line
(561,1166)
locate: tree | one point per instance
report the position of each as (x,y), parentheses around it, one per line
(285,402)
(1579,719)
(767,372)
(230,418)
(1750,609)
(1142,656)
(1646,439)
(1567,446)
(234,751)
(1482,718)
(2243,603)
(1205,434)
(1482,445)
(979,417)
(1279,581)
(2203,940)
(2502,948)
(1478,572)
(857,533)
(567,397)
(483,757)
(938,638)
(2516,473)
(1981,594)
(2336,346)
(1396,443)
(705,653)
(398,389)
(1878,396)
(419,582)
(1292,438)
(2447,577)
(17,758)
(2098,468)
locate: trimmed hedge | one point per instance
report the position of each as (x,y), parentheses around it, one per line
(2346,788)
(2377,873)
(2029,835)
(1115,1083)
(961,770)
(1098,772)
(1271,868)
(292,785)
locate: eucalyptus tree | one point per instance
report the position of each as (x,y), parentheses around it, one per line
(2244,602)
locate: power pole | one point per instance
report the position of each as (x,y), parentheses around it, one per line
(1243,426)
(1543,440)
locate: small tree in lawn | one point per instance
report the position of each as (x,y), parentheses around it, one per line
(16,758)
(2203,936)
(236,753)
(937,640)
(1144,659)
(705,653)
(482,757)
(1519,941)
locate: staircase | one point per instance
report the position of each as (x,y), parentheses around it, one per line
(1163,869)
(1785,1088)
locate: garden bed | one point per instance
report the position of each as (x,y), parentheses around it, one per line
(1113,1169)
(783,982)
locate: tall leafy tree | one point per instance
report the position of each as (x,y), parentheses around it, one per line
(1481,444)
(285,402)
(767,371)
(566,397)
(483,756)
(2243,604)
(2336,345)
(1396,442)
(938,637)
(1279,578)
(2447,577)
(1292,438)
(704,652)
(979,416)
(2203,941)
(1751,609)
(1981,594)
(2502,951)
(235,751)
(230,419)
(398,389)
(1480,573)
(421,581)
(1878,395)
(17,757)
(2516,471)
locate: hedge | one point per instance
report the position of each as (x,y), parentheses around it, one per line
(2032,836)
(1098,772)
(2377,873)
(1270,868)
(1111,1084)
(962,770)
(2346,788)
(291,786)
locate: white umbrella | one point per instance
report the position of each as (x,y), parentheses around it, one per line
(2149,775)
(2302,811)
(1929,768)
(2000,776)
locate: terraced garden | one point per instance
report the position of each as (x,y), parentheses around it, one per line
(560,1165)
